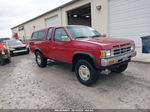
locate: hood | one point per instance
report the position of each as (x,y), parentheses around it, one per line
(107,43)
(18,46)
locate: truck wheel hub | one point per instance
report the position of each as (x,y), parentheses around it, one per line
(39,59)
(84,72)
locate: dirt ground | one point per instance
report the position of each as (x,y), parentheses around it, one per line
(23,85)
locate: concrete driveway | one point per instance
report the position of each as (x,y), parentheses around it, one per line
(23,85)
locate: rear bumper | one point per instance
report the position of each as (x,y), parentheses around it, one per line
(107,63)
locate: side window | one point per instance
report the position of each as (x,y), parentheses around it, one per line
(49,34)
(41,34)
(59,32)
(35,35)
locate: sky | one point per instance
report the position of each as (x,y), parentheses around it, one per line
(14,12)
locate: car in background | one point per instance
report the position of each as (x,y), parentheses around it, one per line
(4,53)
(3,39)
(17,47)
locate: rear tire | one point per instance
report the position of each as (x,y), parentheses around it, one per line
(120,69)
(85,72)
(40,60)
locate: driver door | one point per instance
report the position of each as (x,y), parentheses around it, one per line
(61,46)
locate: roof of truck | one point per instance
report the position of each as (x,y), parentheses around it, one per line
(60,27)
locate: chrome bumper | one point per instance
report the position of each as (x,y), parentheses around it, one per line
(118,59)
(20,51)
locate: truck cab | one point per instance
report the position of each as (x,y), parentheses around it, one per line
(85,48)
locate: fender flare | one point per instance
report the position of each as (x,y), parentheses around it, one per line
(88,54)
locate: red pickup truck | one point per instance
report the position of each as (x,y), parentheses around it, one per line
(83,47)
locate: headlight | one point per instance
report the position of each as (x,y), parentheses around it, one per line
(106,53)
(133,47)
(11,49)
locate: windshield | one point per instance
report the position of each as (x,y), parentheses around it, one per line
(14,42)
(82,32)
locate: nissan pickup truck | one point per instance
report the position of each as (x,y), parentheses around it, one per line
(86,49)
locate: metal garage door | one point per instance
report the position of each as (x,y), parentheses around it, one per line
(129,19)
(53,21)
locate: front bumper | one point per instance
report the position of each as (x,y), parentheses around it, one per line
(20,51)
(105,62)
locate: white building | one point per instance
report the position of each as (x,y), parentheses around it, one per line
(117,18)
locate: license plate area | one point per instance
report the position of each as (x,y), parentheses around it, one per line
(123,59)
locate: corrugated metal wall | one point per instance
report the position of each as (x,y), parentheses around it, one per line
(129,19)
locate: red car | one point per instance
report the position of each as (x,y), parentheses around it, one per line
(83,47)
(17,47)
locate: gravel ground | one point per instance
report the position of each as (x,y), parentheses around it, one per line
(23,85)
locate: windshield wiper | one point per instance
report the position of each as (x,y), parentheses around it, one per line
(96,36)
(82,37)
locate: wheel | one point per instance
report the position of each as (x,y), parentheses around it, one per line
(85,72)
(8,60)
(2,62)
(40,60)
(120,69)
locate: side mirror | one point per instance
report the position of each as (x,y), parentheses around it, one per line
(65,39)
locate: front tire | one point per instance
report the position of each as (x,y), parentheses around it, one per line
(8,60)
(40,60)
(120,69)
(86,73)
(2,62)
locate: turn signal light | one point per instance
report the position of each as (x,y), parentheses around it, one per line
(112,61)
(102,54)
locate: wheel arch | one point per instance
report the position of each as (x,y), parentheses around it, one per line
(83,55)
(37,50)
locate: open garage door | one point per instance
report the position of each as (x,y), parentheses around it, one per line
(129,19)
(53,21)
(80,16)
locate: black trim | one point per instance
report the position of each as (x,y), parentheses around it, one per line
(38,50)
(88,54)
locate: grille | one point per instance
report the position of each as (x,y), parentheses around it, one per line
(122,50)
